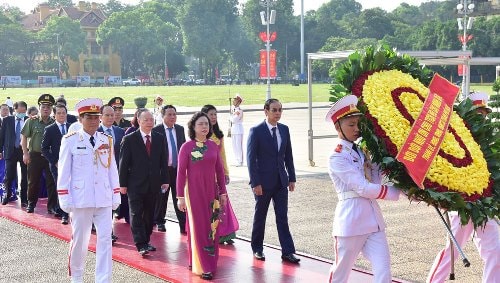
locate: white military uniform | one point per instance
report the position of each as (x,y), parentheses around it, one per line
(487,241)
(358,225)
(88,189)
(237,134)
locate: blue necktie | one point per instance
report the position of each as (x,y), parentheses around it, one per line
(174,147)
(18,132)
(275,138)
(63,129)
(110,133)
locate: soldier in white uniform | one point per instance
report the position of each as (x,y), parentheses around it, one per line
(486,239)
(358,225)
(88,189)
(237,130)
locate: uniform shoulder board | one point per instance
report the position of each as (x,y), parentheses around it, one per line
(69,134)
(106,134)
(338,149)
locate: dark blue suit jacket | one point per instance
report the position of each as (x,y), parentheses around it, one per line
(119,133)
(179,135)
(8,136)
(51,142)
(267,166)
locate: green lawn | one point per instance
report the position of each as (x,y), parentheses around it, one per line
(177,95)
(184,95)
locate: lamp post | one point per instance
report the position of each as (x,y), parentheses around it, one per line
(464,24)
(267,19)
(58,57)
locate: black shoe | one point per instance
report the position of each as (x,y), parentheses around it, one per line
(55,212)
(259,256)
(114,237)
(5,200)
(290,258)
(64,220)
(229,242)
(183,232)
(143,251)
(151,248)
(30,209)
(24,204)
(161,228)
(207,276)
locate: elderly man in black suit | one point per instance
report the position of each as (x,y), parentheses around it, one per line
(12,152)
(175,137)
(143,174)
(51,144)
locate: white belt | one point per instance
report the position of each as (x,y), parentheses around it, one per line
(347,195)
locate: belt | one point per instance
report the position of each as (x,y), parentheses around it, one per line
(347,195)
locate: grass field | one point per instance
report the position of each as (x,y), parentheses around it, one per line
(183,95)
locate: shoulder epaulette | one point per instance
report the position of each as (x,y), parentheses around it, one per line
(338,149)
(106,134)
(69,134)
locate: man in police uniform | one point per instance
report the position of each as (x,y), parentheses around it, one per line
(31,142)
(88,189)
(358,225)
(117,103)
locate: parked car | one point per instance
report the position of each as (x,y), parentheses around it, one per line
(199,82)
(128,82)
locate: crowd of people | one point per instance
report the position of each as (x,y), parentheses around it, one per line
(98,166)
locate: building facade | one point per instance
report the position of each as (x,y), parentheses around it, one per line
(98,61)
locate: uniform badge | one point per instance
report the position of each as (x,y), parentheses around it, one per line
(339,148)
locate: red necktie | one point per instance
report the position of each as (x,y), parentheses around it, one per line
(148,145)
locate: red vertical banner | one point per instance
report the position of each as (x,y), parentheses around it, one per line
(272,64)
(428,130)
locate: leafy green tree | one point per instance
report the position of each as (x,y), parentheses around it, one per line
(60,3)
(371,23)
(113,6)
(70,36)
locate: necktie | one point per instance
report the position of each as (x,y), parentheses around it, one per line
(174,147)
(92,142)
(275,138)
(18,132)
(63,129)
(355,147)
(148,145)
(110,133)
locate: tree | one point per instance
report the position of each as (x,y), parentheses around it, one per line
(70,36)
(60,3)
(371,23)
(113,6)
(205,30)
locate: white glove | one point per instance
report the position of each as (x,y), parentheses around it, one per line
(115,206)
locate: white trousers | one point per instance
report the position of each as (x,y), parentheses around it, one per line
(487,242)
(81,225)
(374,247)
(237,140)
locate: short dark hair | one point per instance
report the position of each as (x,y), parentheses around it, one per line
(59,105)
(140,111)
(18,104)
(192,123)
(164,109)
(31,109)
(270,101)
(61,100)
(217,131)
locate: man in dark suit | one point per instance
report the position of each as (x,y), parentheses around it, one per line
(271,169)
(107,127)
(175,137)
(70,119)
(143,173)
(51,143)
(11,150)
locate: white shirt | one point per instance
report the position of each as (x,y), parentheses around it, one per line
(237,121)
(144,136)
(170,147)
(65,127)
(277,132)
(75,127)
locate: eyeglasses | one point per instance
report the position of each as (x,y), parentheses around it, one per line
(274,110)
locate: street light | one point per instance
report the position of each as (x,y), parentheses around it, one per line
(58,57)
(267,18)
(464,24)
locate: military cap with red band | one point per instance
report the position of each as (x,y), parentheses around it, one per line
(480,99)
(344,107)
(91,106)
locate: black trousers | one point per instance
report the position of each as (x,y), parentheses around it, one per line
(36,167)
(11,174)
(162,200)
(141,217)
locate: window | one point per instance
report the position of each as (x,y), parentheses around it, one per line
(94,48)
(105,49)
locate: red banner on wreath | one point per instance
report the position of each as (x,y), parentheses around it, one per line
(427,133)
(263,64)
